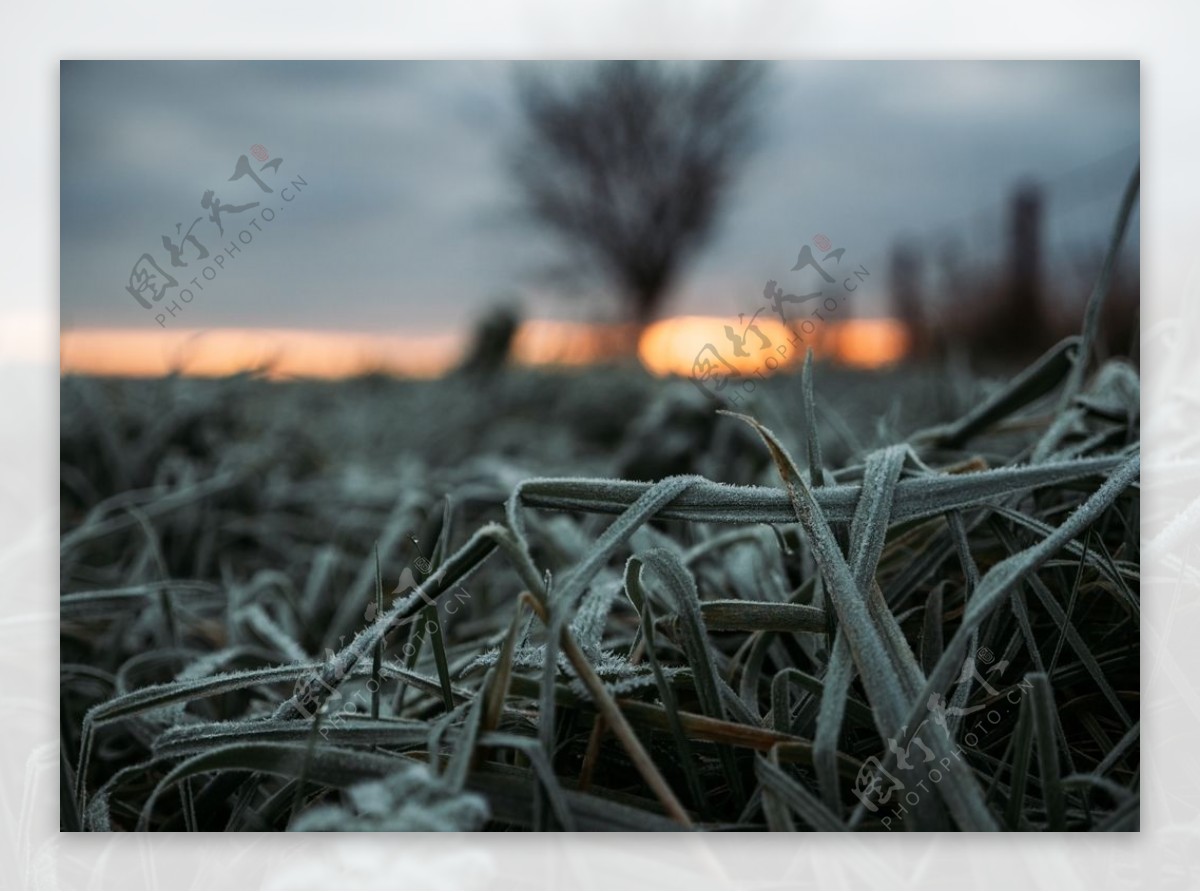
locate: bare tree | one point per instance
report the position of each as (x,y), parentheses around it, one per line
(629,165)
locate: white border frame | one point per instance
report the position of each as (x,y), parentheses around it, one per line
(34,854)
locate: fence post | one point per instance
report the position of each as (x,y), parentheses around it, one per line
(905,277)
(1024,266)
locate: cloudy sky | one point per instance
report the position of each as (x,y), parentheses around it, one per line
(407,222)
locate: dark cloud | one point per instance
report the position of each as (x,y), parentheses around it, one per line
(408,221)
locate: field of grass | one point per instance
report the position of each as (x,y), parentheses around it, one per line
(896,600)
(902,600)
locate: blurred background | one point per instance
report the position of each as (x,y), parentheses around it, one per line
(428,216)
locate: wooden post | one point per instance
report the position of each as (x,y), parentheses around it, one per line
(1026,321)
(905,277)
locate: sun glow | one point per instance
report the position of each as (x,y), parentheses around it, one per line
(281,353)
(671,346)
(869,343)
(684,344)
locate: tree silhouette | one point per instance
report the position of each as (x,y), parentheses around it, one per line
(628,165)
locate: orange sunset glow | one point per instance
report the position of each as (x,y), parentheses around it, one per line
(868,343)
(672,346)
(287,353)
(668,347)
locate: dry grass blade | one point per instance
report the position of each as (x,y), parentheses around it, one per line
(1045,733)
(816,468)
(620,727)
(776,782)
(914,498)
(754,616)
(635,593)
(1091,318)
(1031,384)
(873,653)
